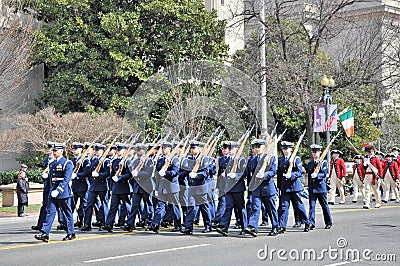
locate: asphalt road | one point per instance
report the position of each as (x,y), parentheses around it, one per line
(358,237)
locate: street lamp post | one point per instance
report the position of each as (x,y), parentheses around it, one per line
(328,85)
(377,121)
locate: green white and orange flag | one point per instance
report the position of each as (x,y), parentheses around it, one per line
(347,120)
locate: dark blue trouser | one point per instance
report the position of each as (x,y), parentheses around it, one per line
(205,210)
(82,196)
(270,208)
(92,199)
(323,201)
(116,199)
(65,206)
(161,211)
(234,200)
(136,199)
(298,206)
(220,209)
(43,209)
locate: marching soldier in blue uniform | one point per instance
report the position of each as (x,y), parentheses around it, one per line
(263,189)
(98,188)
(198,192)
(317,187)
(46,188)
(234,191)
(60,174)
(120,185)
(143,185)
(222,163)
(290,187)
(167,189)
(80,181)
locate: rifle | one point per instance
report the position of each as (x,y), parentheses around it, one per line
(269,151)
(296,149)
(126,153)
(160,149)
(183,150)
(83,155)
(148,153)
(242,142)
(172,153)
(203,151)
(324,153)
(104,141)
(214,143)
(97,169)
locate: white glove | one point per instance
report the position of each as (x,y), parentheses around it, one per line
(231,175)
(115,178)
(162,172)
(156,193)
(260,175)
(135,173)
(55,193)
(287,176)
(365,163)
(95,174)
(314,175)
(192,175)
(45,175)
(73,176)
(343,180)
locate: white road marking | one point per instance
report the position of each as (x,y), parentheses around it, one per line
(146,253)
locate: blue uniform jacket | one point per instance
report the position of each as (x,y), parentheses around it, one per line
(222,164)
(169,183)
(292,184)
(47,181)
(100,183)
(60,174)
(265,186)
(236,184)
(81,182)
(123,186)
(318,184)
(143,182)
(199,185)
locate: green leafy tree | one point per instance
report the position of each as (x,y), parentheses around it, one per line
(97,53)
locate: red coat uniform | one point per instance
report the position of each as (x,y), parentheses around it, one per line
(393,169)
(378,165)
(360,170)
(339,168)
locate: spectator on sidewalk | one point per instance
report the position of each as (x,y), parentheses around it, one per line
(22,193)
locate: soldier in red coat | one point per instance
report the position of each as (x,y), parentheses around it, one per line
(372,177)
(358,177)
(391,176)
(337,176)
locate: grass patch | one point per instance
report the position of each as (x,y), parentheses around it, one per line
(13,209)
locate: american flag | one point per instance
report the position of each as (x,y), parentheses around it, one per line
(329,122)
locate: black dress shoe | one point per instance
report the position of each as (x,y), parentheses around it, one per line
(196,222)
(108,228)
(44,237)
(61,227)
(128,228)
(187,232)
(214,225)
(141,224)
(331,203)
(86,228)
(274,232)
(312,227)
(35,227)
(384,201)
(165,224)
(307,228)
(119,224)
(251,231)
(297,225)
(281,230)
(328,226)
(176,229)
(96,224)
(222,230)
(69,237)
(154,228)
(78,224)
(263,223)
(207,230)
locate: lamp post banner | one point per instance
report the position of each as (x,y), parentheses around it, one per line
(319,118)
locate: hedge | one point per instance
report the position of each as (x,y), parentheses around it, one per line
(8,177)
